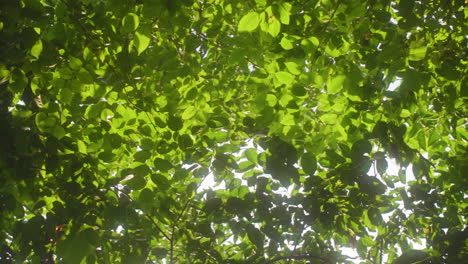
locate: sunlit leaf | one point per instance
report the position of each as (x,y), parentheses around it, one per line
(335,84)
(286,43)
(284,77)
(130,23)
(184,131)
(284,9)
(36,50)
(274,27)
(141,43)
(249,22)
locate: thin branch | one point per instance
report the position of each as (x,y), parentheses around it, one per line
(171,252)
(298,257)
(149,218)
(90,39)
(381,250)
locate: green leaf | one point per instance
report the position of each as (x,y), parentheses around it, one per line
(286,43)
(315,41)
(36,49)
(309,163)
(360,147)
(162,165)
(74,249)
(310,44)
(75,63)
(255,236)
(59,132)
(293,67)
(417,50)
(130,23)
(175,123)
(261,3)
(402,175)
(274,27)
(185,142)
(146,144)
(299,90)
(284,12)
(251,155)
(146,198)
(284,77)
(405,113)
(405,8)
(18,81)
(141,171)
(161,181)
(212,205)
(329,118)
(45,123)
(189,112)
(141,42)
(382,166)
(142,156)
(271,100)
(288,120)
(215,123)
(249,22)
(411,256)
(417,54)
(135,183)
(92,236)
(335,84)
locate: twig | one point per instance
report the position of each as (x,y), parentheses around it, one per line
(381,250)
(297,257)
(149,218)
(171,252)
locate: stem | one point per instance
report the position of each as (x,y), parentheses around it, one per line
(150,219)
(304,256)
(381,250)
(172,245)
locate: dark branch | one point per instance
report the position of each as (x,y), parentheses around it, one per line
(298,257)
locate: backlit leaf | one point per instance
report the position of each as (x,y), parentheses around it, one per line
(274,27)
(286,43)
(284,12)
(284,77)
(335,84)
(36,50)
(141,42)
(130,23)
(249,22)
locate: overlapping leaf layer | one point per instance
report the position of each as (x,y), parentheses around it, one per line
(114,113)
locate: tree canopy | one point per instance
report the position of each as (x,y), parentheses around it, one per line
(114,113)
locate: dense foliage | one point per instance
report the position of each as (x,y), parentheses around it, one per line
(112,114)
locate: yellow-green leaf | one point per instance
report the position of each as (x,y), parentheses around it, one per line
(189,112)
(286,43)
(284,77)
(405,113)
(335,84)
(417,54)
(288,120)
(284,11)
(249,22)
(36,50)
(329,118)
(271,100)
(141,42)
(274,27)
